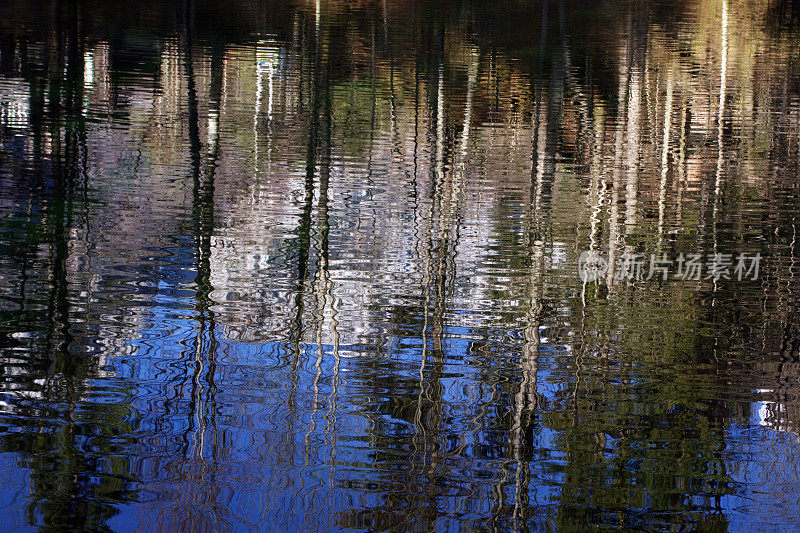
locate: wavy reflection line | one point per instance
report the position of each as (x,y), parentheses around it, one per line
(624,78)
(723,85)
(665,142)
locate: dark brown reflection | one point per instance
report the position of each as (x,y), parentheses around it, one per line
(312,264)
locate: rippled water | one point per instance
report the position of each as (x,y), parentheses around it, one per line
(314,265)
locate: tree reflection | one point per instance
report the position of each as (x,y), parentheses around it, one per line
(322,255)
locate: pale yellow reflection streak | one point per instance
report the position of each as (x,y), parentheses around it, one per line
(662,188)
(723,79)
(624,76)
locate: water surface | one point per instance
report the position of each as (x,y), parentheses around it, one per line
(313,265)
